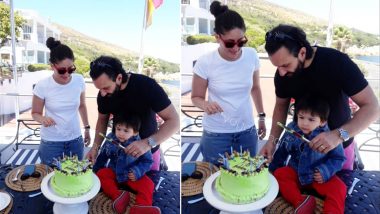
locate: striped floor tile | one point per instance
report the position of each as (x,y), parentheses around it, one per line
(24,156)
(191,152)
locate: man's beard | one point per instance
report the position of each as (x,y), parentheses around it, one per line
(115,92)
(300,67)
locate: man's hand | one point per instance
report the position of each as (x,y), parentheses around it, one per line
(325,142)
(137,148)
(92,154)
(267,150)
(318,177)
(131,176)
(212,107)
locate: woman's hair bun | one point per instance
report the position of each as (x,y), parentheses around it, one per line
(216,8)
(51,43)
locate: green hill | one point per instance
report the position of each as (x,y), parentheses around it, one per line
(87,49)
(261,16)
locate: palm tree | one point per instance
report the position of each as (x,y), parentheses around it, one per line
(150,66)
(342,37)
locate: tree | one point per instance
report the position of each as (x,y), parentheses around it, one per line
(150,66)
(342,37)
(5,23)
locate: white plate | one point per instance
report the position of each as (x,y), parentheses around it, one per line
(213,197)
(5,199)
(49,193)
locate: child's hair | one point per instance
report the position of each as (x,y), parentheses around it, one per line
(315,105)
(129,121)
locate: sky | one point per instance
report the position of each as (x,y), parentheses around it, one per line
(118,22)
(360,14)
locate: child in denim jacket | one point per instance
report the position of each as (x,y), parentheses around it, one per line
(115,168)
(306,168)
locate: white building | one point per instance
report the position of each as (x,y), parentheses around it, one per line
(30,45)
(196,18)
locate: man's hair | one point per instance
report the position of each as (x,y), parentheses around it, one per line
(58,51)
(317,106)
(292,38)
(130,121)
(225,19)
(108,65)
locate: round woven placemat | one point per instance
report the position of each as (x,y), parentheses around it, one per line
(195,186)
(279,205)
(29,184)
(9,207)
(103,204)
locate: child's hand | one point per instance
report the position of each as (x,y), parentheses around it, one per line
(131,176)
(318,177)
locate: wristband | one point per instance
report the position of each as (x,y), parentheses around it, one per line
(262,114)
(87,127)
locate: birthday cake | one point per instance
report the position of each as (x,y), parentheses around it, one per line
(243,179)
(72,178)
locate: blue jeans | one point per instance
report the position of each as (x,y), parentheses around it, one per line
(55,149)
(213,144)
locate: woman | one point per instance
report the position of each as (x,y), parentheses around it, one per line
(62,95)
(231,76)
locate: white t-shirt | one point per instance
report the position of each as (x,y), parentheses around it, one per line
(229,84)
(62,104)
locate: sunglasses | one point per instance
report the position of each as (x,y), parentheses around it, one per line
(230,44)
(35,174)
(278,37)
(62,71)
(195,175)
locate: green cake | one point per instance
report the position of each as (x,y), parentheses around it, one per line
(243,179)
(72,178)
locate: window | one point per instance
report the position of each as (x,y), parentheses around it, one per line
(40,57)
(189,27)
(185,1)
(27,36)
(212,26)
(27,29)
(203,26)
(204,4)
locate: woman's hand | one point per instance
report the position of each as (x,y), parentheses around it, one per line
(212,107)
(262,131)
(47,121)
(87,137)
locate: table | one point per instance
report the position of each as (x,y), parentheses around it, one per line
(364,199)
(167,197)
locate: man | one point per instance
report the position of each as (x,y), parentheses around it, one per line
(324,72)
(135,94)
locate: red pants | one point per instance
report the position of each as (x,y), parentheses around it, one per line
(144,187)
(334,190)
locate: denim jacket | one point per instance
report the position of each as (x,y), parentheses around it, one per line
(305,160)
(120,162)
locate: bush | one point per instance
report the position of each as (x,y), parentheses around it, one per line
(38,67)
(197,39)
(83,65)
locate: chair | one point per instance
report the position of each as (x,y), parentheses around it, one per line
(196,115)
(28,133)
